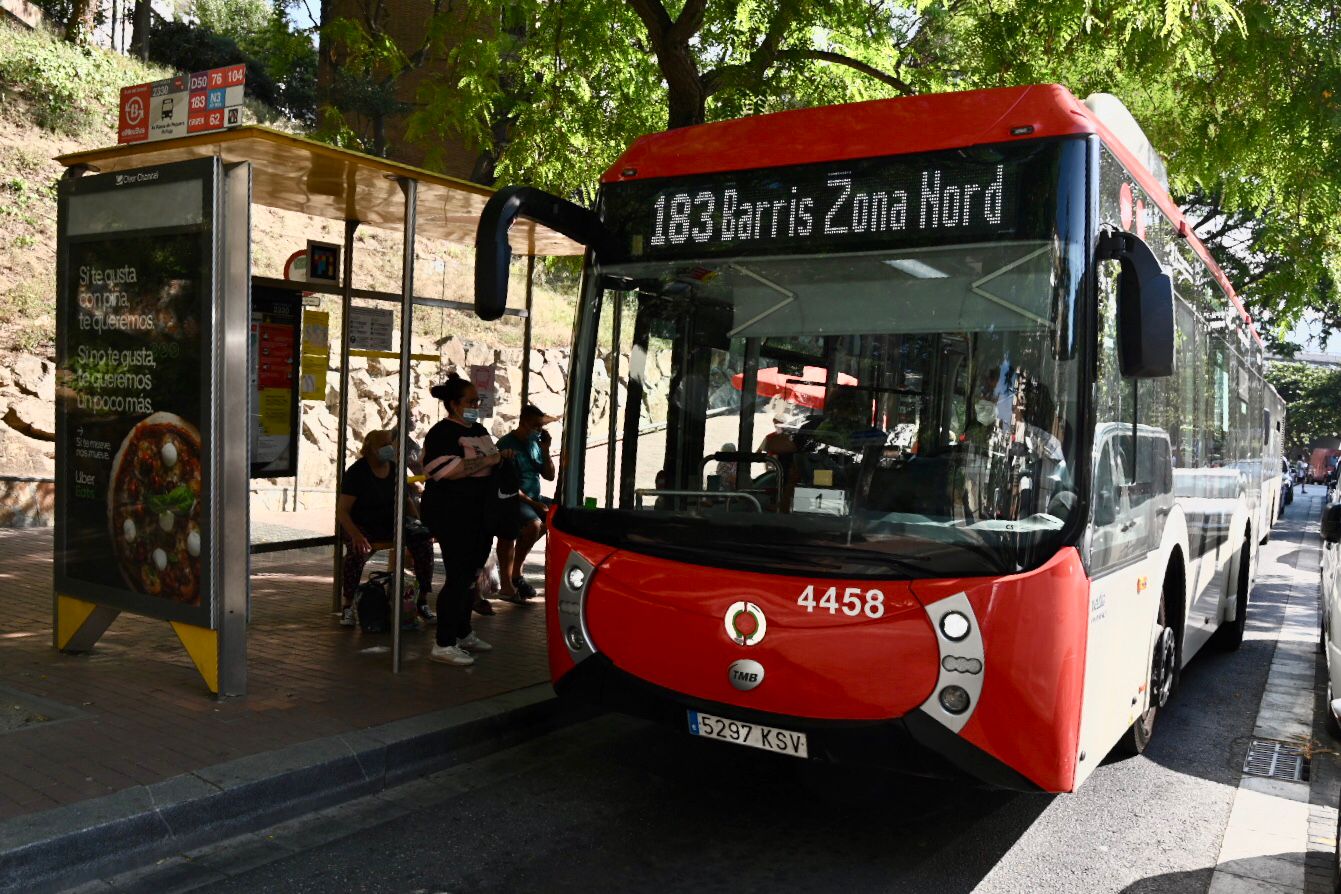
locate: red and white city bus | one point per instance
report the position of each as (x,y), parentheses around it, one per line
(918,432)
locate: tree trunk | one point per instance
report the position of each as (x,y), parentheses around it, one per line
(139,38)
(379,134)
(80,24)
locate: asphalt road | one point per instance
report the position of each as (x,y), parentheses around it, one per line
(615,804)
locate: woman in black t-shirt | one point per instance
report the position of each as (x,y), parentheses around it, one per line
(459,459)
(366,511)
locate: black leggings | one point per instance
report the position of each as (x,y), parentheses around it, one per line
(465,549)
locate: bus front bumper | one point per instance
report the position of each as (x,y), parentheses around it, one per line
(914,743)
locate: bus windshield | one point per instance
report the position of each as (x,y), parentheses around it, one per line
(894,412)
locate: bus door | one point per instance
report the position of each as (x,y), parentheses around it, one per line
(1121,524)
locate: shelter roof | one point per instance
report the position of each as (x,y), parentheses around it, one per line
(298,174)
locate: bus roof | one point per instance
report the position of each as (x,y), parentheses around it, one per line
(925,123)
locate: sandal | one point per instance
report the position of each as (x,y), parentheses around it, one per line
(482,606)
(524,588)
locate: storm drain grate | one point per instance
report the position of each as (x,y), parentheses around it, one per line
(1276,760)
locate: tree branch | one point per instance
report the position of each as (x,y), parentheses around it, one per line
(855,64)
(655,18)
(690,20)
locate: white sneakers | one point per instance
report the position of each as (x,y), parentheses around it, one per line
(473,643)
(459,654)
(452,655)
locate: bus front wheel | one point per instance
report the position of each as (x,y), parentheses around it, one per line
(1163,672)
(1230,635)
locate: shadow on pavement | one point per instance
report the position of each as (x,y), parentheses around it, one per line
(1275,872)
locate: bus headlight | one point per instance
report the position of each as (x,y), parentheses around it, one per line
(954,699)
(955,626)
(962,660)
(576,641)
(577,578)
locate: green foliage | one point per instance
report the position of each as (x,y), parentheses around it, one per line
(1240,98)
(238,19)
(264,34)
(281,73)
(29,314)
(1312,397)
(186,48)
(68,89)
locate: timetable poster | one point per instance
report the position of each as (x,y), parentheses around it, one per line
(276,317)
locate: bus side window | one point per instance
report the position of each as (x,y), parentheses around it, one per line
(1105,489)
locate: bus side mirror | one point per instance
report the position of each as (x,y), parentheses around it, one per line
(1145,306)
(493,253)
(1331,523)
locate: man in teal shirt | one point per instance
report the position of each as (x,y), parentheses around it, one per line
(531,444)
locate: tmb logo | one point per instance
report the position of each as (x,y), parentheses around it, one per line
(745,674)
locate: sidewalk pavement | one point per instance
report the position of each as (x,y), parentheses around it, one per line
(1280,838)
(132,715)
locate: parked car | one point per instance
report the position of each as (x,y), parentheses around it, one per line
(1329,620)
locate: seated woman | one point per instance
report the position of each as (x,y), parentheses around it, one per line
(366,512)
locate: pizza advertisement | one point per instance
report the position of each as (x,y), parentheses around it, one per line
(132,401)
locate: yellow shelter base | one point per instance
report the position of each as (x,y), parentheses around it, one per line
(78,625)
(202,644)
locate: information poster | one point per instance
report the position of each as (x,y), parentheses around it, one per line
(482,377)
(276,315)
(136,287)
(371,328)
(316,356)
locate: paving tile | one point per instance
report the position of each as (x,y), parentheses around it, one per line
(148,716)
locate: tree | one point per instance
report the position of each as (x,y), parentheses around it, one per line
(368,65)
(1239,96)
(139,37)
(1312,397)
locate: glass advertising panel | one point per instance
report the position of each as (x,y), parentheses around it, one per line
(133,401)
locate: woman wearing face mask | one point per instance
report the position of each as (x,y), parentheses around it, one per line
(459,459)
(366,512)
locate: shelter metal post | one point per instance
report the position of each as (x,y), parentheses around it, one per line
(526,333)
(410,188)
(342,438)
(231,437)
(612,446)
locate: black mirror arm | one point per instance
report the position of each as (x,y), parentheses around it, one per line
(1130,251)
(493,253)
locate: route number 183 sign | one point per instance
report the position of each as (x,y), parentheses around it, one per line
(187,104)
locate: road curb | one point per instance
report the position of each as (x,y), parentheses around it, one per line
(78,842)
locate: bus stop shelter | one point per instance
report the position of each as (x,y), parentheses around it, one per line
(127,214)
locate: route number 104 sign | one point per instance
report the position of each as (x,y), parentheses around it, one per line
(187,104)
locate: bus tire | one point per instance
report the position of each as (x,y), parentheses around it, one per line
(1163,674)
(1230,636)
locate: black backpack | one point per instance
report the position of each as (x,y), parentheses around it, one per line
(374,603)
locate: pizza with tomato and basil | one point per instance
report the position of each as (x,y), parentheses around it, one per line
(154,506)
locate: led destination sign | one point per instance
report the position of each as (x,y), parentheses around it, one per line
(847,205)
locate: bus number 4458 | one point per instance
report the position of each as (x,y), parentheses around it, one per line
(853,602)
